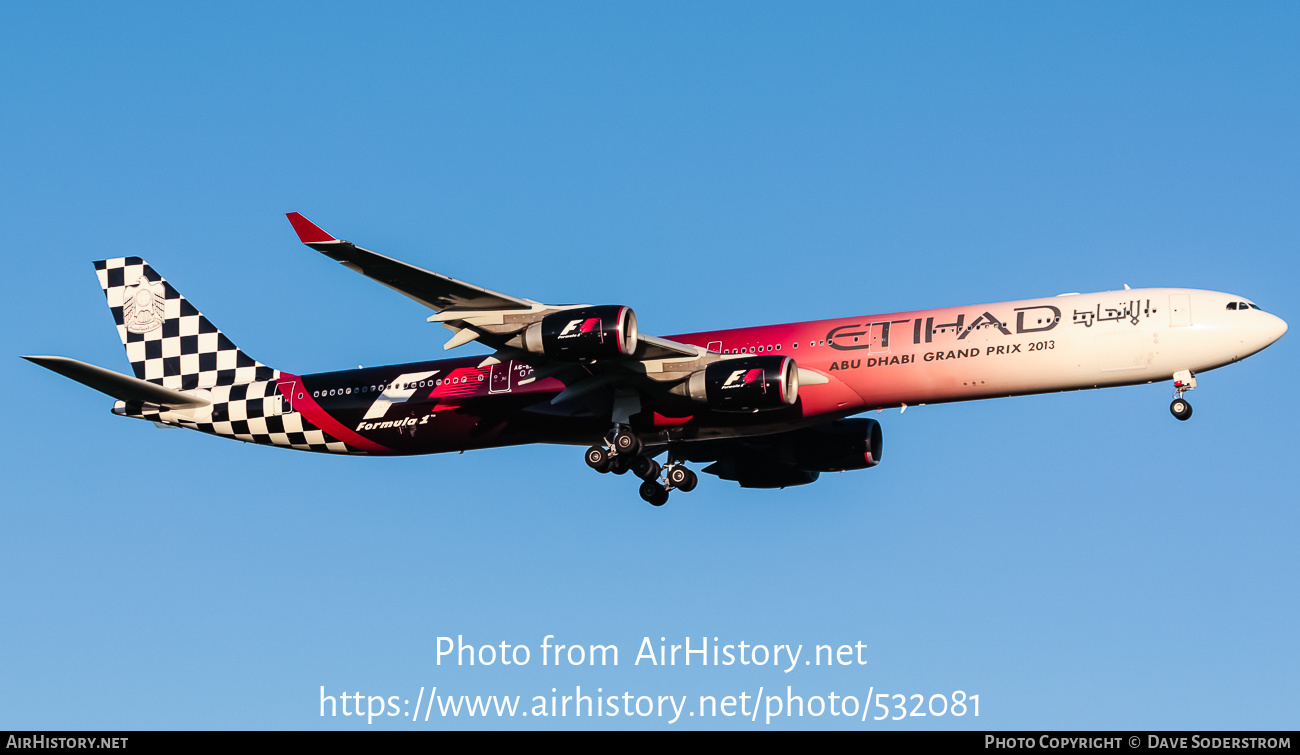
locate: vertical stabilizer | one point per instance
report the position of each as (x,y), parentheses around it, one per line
(167,340)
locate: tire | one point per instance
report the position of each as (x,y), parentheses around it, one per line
(1181,409)
(690,482)
(598,459)
(626,443)
(620,464)
(679,477)
(645,468)
(653,493)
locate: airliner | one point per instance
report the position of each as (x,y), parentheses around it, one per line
(767,407)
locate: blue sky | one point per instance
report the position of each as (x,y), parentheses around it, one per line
(1079,561)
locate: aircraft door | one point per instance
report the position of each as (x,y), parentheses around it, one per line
(499,380)
(1180,310)
(281,402)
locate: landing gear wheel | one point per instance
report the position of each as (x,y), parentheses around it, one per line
(653,493)
(645,468)
(620,464)
(625,443)
(682,479)
(1181,409)
(599,459)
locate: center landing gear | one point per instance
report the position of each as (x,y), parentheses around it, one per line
(1183,382)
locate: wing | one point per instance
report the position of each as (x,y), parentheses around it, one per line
(499,320)
(437,292)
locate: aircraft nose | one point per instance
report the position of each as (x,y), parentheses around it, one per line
(1275,328)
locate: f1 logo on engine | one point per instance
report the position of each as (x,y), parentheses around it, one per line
(587,325)
(744,376)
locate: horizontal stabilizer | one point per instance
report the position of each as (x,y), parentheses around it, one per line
(117,385)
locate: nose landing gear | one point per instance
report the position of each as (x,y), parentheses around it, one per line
(1183,382)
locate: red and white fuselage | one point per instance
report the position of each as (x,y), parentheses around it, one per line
(1062,343)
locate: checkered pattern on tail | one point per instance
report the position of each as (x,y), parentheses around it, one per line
(253,412)
(167,340)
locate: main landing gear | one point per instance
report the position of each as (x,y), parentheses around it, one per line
(617,453)
(622,451)
(1183,382)
(676,476)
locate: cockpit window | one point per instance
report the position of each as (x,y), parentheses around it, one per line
(1232,305)
(1255,306)
(1239,305)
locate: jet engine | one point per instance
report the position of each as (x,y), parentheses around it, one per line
(840,446)
(745,384)
(586,333)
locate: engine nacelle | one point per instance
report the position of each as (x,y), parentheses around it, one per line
(746,383)
(587,333)
(840,446)
(759,472)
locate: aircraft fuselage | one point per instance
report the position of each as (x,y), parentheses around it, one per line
(1061,343)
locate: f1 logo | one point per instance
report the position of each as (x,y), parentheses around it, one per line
(588,325)
(397,392)
(745,376)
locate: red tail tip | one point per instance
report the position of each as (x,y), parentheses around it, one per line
(308,232)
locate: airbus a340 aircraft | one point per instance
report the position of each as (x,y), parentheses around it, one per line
(764,406)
